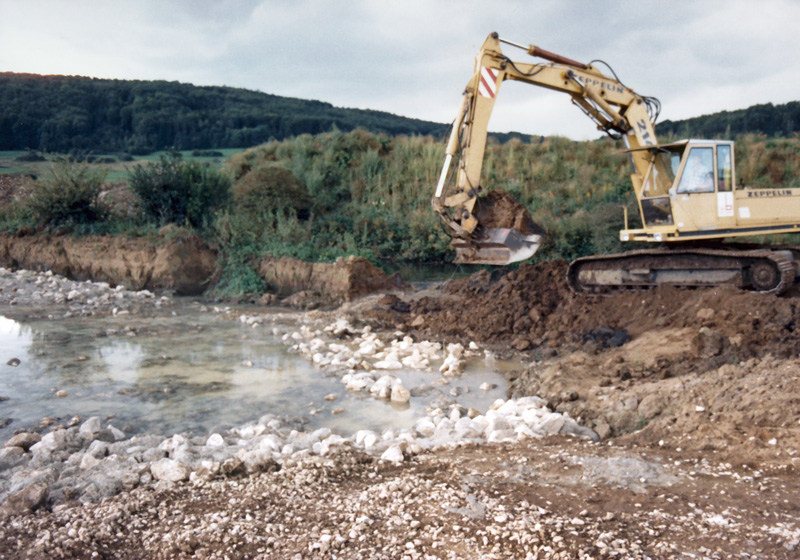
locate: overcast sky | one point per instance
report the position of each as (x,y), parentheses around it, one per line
(413,57)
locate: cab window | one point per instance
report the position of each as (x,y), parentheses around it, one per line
(698,174)
(724,169)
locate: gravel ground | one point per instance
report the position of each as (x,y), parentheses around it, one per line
(546,498)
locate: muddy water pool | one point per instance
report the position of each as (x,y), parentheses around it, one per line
(194,372)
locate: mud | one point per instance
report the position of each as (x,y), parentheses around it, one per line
(533,309)
(174,260)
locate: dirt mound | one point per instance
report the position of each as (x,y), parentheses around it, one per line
(498,209)
(174,260)
(532,307)
(327,283)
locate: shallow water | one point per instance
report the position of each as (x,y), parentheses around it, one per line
(191,372)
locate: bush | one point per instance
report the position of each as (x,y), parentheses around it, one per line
(68,195)
(239,274)
(271,188)
(173,190)
(207,153)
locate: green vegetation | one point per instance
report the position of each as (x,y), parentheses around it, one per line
(68,195)
(69,113)
(177,191)
(768,163)
(341,193)
(366,194)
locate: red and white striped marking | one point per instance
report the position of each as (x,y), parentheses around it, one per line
(488,83)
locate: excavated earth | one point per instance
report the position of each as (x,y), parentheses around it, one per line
(695,395)
(706,369)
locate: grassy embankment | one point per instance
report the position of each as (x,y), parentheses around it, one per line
(324,196)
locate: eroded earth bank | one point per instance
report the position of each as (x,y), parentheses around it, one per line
(660,424)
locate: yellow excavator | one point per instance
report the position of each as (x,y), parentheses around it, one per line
(686,191)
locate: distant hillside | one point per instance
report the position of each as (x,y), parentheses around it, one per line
(772,120)
(65,113)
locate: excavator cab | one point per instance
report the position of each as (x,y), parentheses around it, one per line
(687,191)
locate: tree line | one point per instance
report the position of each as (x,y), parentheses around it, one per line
(69,113)
(771,120)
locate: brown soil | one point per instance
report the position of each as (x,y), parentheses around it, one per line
(178,260)
(532,307)
(173,260)
(326,283)
(498,209)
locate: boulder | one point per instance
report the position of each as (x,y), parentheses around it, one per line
(25,440)
(25,501)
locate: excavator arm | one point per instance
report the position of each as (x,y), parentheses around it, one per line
(615,108)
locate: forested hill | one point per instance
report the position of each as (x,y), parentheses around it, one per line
(772,120)
(66,113)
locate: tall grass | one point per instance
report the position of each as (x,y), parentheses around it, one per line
(371,194)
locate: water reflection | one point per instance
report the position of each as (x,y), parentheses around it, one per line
(189,372)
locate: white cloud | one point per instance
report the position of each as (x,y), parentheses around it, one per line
(413,57)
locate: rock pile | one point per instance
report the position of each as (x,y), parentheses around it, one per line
(365,363)
(60,297)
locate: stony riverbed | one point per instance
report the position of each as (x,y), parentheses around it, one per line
(90,459)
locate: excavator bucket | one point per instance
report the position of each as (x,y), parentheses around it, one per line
(507,233)
(498,246)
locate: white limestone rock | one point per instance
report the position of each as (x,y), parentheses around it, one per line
(170,470)
(91,427)
(394,454)
(215,440)
(400,394)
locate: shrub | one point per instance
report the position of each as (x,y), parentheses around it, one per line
(68,195)
(239,276)
(173,190)
(271,188)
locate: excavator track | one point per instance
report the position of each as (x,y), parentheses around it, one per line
(762,270)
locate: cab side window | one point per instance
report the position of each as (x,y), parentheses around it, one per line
(698,174)
(724,169)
